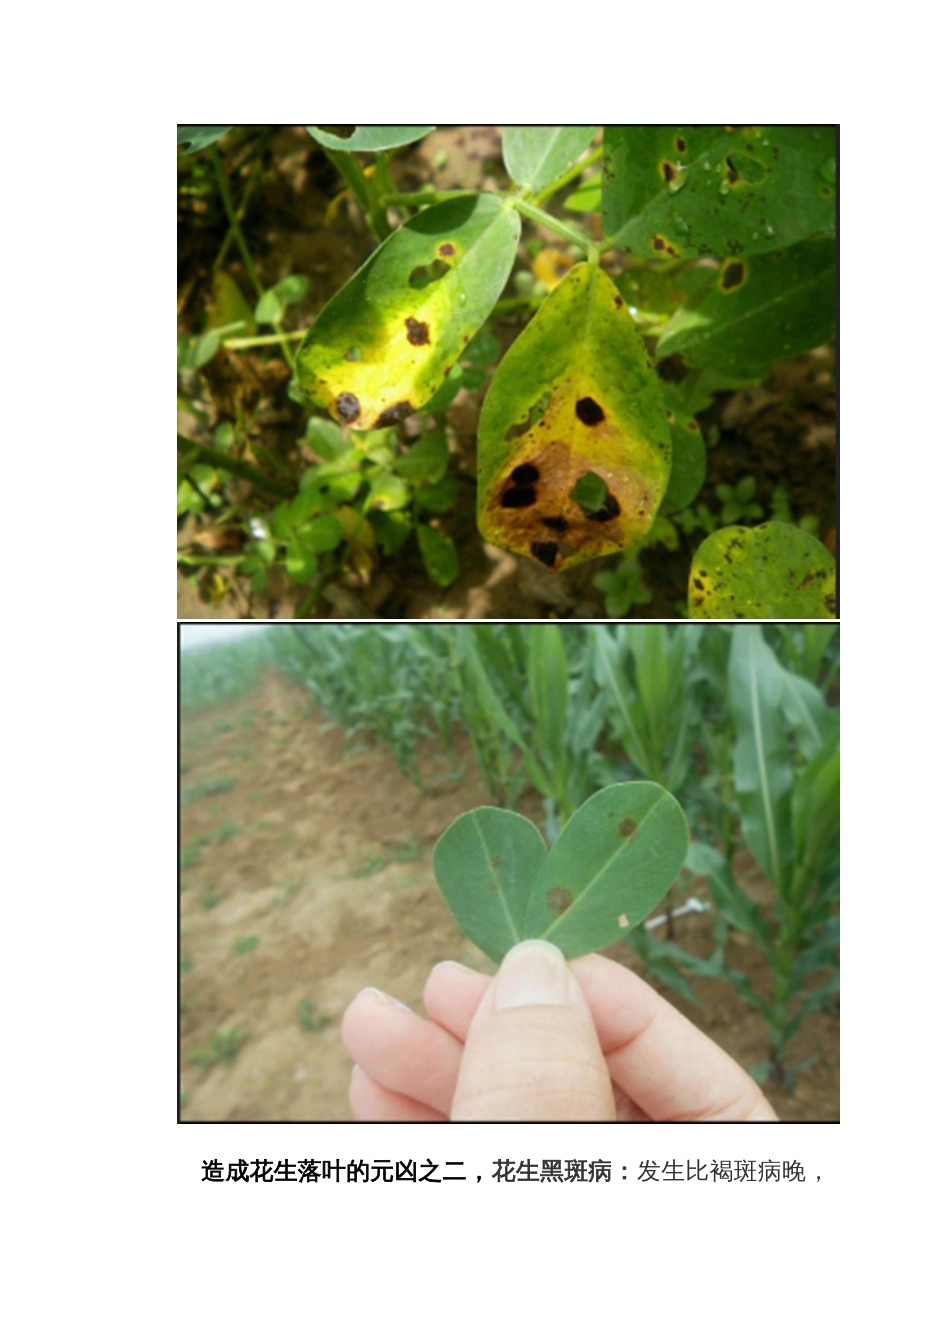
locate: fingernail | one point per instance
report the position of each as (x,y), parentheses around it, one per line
(371,992)
(534,972)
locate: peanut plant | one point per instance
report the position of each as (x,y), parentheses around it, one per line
(711,248)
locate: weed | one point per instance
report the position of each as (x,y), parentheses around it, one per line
(244,945)
(223,1048)
(206,789)
(305,1016)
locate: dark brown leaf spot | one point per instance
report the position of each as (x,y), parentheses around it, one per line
(608,511)
(417,332)
(393,414)
(347,407)
(627,827)
(588,411)
(680,145)
(556,524)
(669,171)
(546,552)
(526,474)
(447,250)
(618,301)
(732,173)
(559,900)
(518,497)
(733,275)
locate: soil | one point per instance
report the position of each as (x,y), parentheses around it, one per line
(321,851)
(782,433)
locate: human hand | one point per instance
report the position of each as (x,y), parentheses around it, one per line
(542,1040)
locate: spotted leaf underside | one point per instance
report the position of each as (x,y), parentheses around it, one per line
(384,344)
(574,445)
(754,573)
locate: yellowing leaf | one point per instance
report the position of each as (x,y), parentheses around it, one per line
(387,341)
(574,445)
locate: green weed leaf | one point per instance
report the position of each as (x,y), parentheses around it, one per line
(438,555)
(751,573)
(485,864)
(385,343)
(575,395)
(536,155)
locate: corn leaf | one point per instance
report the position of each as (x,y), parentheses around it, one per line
(386,342)
(575,408)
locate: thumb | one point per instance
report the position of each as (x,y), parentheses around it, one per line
(532,1051)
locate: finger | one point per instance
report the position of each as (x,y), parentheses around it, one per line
(369,1100)
(401,1051)
(670,1068)
(658,1057)
(532,1052)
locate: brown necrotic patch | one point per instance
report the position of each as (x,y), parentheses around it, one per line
(526,474)
(556,524)
(733,275)
(347,407)
(680,145)
(393,414)
(588,411)
(417,332)
(447,250)
(627,827)
(669,170)
(518,497)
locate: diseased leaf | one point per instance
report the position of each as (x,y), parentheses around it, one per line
(575,395)
(747,573)
(368,137)
(385,343)
(485,864)
(438,555)
(613,863)
(708,191)
(688,469)
(767,308)
(536,155)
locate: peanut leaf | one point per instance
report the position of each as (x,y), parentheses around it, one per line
(717,191)
(485,864)
(747,573)
(575,397)
(368,137)
(536,155)
(386,342)
(771,307)
(613,863)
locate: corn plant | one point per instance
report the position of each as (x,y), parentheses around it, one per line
(786,771)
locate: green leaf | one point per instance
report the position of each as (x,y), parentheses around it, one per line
(730,899)
(269,307)
(575,394)
(325,438)
(446,393)
(385,343)
(613,863)
(485,864)
(805,708)
(695,191)
(293,288)
(388,492)
(750,573)
(586,198)
(301,561)
(194,138)
(438,555)
(439,497)
(426,460)
(369,137)
(536,155)
(323,534)
(767,308)
(762,767)
(688,469)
